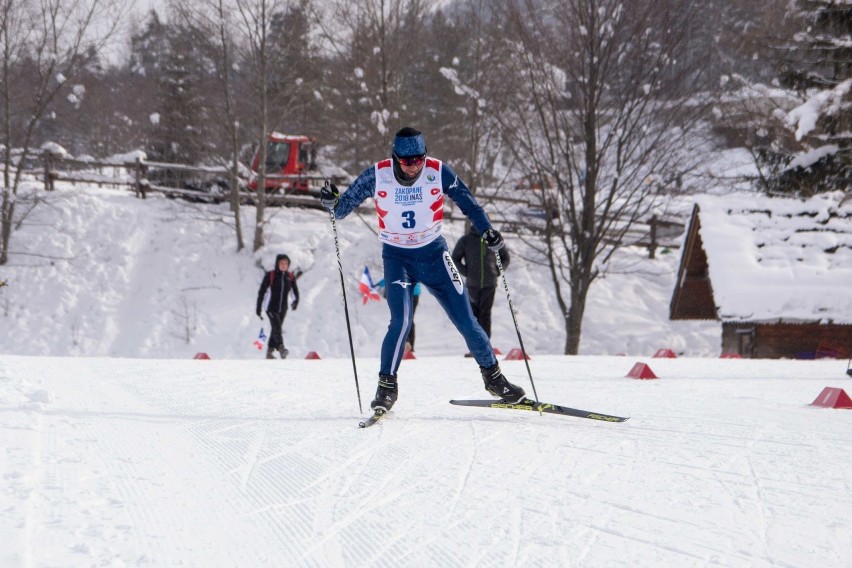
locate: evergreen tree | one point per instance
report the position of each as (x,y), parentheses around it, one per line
(170,65)
(809,151)
(178,131)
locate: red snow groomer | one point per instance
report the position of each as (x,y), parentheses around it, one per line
(290,164)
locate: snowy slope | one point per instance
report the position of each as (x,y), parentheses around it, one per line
(100,273)
(151,462)
(121,451)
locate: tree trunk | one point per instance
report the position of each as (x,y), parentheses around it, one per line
(574,319)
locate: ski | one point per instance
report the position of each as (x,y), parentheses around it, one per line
(377,415)
(531,405)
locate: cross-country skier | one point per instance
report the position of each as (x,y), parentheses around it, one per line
(408,190)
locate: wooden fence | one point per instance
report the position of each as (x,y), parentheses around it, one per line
(210,184)
(194,183)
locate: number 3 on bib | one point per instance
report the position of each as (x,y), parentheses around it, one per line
(409,219)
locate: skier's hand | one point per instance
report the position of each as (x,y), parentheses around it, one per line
(493,240)
(259,314)
(294,305)
(329,196)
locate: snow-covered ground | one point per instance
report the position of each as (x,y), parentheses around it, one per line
(119,450)
(96,272)
(153,462)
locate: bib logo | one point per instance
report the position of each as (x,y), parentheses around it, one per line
(408,195)
(430,177)
(453,273)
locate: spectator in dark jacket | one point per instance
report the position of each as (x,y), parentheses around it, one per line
(478,265)
(280,282)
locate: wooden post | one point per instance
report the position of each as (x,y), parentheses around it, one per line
(652,246)
(47,159)
(138,186)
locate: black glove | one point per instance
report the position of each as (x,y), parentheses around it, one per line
(258,314)
(294,305)
(493,240)
(329,196)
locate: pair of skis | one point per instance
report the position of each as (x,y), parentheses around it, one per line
(524,405)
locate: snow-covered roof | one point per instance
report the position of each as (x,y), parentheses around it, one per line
(779,259)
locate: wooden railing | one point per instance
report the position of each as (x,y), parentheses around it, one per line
(211,185)
(195,183)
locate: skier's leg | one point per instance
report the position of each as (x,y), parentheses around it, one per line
(414,301)
(400,288)
(440,280)
(437,275)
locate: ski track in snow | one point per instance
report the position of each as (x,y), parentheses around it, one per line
(227,463)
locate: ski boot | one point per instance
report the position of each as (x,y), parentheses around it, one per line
(497,385)
(283,351)
(386,393)
(269,352)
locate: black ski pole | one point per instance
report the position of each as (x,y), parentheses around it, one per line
(515,320)
(345,304)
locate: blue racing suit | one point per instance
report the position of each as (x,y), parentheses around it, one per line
(429,264)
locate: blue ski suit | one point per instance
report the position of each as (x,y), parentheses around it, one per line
(408,261)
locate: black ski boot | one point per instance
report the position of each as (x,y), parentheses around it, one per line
(269,352)
(497,385)
(283,351)
(386,393)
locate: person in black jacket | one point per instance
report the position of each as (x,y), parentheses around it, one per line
(280,282)
(478,265)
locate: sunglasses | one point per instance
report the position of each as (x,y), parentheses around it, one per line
(412,161)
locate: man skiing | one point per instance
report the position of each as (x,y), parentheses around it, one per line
(408,190)
(280,282)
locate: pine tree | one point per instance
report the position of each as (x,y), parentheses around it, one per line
(810,150)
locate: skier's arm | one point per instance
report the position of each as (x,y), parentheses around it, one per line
(459,192)
(361,189)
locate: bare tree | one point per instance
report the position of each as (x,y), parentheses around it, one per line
(378,45)
(215,20)
(272,82)
(476,73)
(605,116)
(43,45)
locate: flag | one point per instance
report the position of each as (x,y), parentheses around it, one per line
(261,338)
(367,288)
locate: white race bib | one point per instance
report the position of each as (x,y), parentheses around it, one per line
(409,216)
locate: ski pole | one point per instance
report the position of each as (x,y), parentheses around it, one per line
(345,304)
(515,321)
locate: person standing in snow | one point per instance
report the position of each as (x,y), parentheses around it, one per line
(409,190)
(478,264)
(280,283)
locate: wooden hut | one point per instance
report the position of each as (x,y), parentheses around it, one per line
(777,272)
